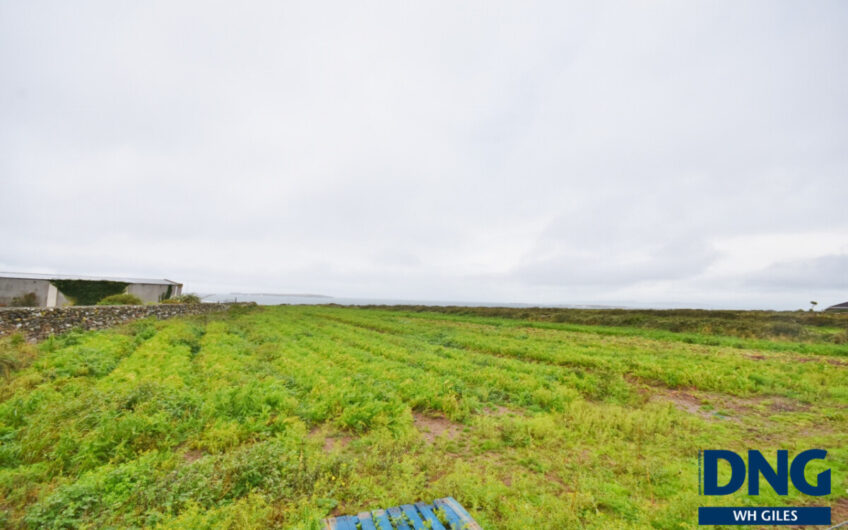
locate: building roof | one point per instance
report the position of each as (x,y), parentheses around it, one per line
(843,305)
(37,276)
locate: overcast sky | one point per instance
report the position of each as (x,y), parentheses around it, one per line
(652,154)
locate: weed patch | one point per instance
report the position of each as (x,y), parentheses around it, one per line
(279,416)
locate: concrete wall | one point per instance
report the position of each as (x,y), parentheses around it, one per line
(38,323)
(62,301)
(149,292)
(14,287)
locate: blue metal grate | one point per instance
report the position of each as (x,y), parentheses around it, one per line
(443,514)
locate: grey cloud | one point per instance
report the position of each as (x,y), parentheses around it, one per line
(610,267)
(484,150)
(824,272)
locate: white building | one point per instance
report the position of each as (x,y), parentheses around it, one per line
(43,290)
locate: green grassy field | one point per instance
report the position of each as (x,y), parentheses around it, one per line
(281,416)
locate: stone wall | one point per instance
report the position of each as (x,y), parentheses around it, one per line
(40,322)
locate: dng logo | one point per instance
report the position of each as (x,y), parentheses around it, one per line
(778,477)
(758,467)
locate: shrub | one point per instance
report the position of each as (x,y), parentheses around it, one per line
(121,299)
(25,300)
(787,329)
(184,299)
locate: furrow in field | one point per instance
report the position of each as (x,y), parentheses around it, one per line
(676,365)
(164,359)
(706,339)
(418,387)
(453,341)
(239,369)
(520,382)
(332,382)
(377,377)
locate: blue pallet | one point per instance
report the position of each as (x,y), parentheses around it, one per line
(408,517)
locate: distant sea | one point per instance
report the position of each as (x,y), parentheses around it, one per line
(300,299)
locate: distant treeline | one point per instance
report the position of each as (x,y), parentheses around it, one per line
(789,325)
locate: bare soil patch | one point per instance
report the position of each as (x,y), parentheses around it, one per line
(193,455)
(330,441)
(829,360)
(713,406)
(839,511)
(781,404)
(686,402)
(838,515)
(432,427)
(500,410)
